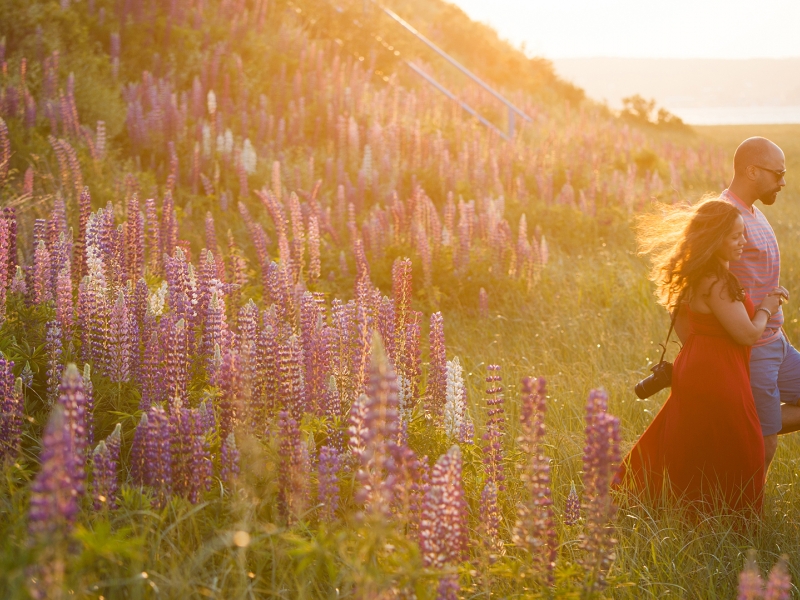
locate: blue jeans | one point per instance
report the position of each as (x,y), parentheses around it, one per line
(775,379)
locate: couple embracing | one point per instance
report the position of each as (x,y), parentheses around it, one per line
(736,380)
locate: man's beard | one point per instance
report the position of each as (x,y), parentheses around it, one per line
(769,198)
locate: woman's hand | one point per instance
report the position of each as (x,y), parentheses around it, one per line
(772,302)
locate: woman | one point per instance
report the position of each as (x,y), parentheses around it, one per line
(705,445)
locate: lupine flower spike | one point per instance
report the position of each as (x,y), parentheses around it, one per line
(572,509)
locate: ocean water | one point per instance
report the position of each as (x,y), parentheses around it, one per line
(739,115)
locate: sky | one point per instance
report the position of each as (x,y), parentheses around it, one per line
(645,28)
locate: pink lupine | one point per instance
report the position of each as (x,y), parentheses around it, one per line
(64,307)
(490,522)
(443,528)
(779,582)
(5,151)
(72,397)
(42,288)
(495,427)
(535,528)
(5,260)
(314,265)
(751,585)
(572,508)
(120,348)
(436,392)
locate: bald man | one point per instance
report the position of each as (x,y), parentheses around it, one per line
(759,168)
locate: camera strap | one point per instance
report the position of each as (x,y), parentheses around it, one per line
(671,327)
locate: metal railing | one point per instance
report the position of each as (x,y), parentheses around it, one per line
(512,110)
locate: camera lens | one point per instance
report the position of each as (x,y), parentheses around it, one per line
(647,387)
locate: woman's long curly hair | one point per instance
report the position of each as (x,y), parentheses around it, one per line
(682,242)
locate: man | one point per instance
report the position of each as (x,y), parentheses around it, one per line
(759,169)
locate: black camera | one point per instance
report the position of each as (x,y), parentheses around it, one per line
(661,378)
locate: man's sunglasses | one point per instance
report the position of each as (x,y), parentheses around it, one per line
(778,174)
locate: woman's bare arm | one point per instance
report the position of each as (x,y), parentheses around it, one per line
(733,316)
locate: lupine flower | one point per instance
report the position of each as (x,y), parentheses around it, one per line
(5,260)
(401,292)
(42,291)
(229,459)
(600,456)
(443,532)
(779,582)
(448,588)
(18,285)
(437,378)
(191,459)
(572,509)
(495,428)
(328,482)
(535,529)
(751,585)
(490,522)
(56,489)
(292,468)
(64,308)
(120,351)
(72,398)
(105,460)
(54,350)
(457,422)
(11,410)
(314,265)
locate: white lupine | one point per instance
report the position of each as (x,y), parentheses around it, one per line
(157,300)
(228,149)
(457,422)
(212,102)
(249,158)
(206,139)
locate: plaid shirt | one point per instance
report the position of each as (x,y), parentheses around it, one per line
(759,268)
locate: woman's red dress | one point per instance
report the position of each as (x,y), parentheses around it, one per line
(707,437)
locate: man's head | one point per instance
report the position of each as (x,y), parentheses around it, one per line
(759,167)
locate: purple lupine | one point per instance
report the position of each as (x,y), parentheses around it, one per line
(361,348)
(152,372)
(314,265)
(229,383)
(779,582)
(535,529)
(84,210)
(448,588)
(215,334)
(328,482)
(72,398)
(490,522)
(572,508)
(134,240)
(386,327)
(751,585)
(292,468)
(53,344)
(443,530)
(105,461)
(379,435)
(191,459)
(176,356)
(120,349)
(12,410)
(229,460)
(64,308)
(158,454)
(5,151)
(600,457)
(56,490)
(495,427)
(437,377)
(18,284)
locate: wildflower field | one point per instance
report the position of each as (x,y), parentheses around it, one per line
(279,320)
